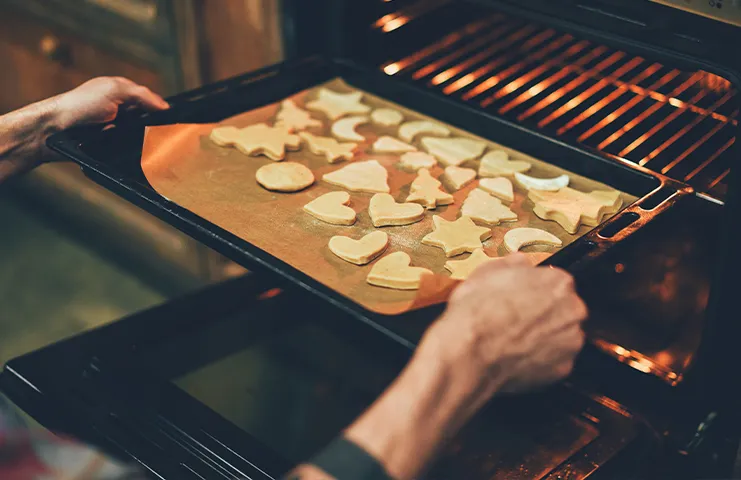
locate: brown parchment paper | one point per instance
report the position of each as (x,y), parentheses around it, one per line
(219,185)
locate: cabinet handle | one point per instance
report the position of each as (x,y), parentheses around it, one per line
(53,49)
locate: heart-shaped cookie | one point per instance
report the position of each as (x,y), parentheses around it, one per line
(393,271)
(497,164)
(459,177)
(360,251)
(331,208)
(384,211)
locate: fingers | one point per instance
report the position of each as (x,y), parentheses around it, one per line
(133,94)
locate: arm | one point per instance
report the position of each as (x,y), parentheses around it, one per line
(509,328)
(23,132)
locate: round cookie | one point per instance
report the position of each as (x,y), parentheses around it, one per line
(284,177)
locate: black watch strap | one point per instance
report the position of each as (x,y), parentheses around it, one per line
(344,460)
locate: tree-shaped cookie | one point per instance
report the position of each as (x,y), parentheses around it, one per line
(482,207)
(294,118)
(257,139)
(425,190)
(571,208)
(456,237)
(333,150)
(368,176)
(461,269)
(336,105)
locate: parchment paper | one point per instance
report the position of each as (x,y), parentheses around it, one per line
(218,184)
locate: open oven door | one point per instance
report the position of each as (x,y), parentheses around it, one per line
(247,379)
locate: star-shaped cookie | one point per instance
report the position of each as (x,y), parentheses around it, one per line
(257,139)
(461,269)
(425,190)
(571,208)
(456,237)
(336,105)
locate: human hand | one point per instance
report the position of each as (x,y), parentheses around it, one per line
(510,327)
(98,101)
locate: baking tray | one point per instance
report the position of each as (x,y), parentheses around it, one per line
(111,154)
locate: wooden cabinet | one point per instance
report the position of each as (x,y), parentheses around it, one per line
(38,62)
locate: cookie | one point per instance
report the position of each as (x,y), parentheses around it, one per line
(517,238)
(453,151)
(344,129)
(360,251)
(543,184)
(368,176)
(293,118)
(497,164)
(500,187)
(333,150)
(386,117)
(384,211)
(459,177)
(394,271)
(416,160)
(425,190)
(409,130)
(461,269)
(284,177)
(482,207)
(571,208)
(332,208)
(386,144)
(258,139)
(337,105)
(456,237)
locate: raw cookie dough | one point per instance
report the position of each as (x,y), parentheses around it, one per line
(482,207)
(393,271)
(409,130)
(497,164)
(416,160)
(332,208)
(543,184)
(386,144)
(500,187)
(359,251)
(368,176)
(517,238)
(461,269)
(453,151)
(333,150)
(384,211)
(257,139)
(571,208)
(294,118)
(284,177)
(344,129)
(336,105)
(386,117)
(459,177)
(425,190)
(456,237)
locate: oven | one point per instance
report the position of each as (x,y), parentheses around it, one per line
(254,375)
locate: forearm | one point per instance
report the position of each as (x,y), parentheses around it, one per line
(22,136)
(428,403)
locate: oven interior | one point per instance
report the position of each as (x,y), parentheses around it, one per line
(680,122)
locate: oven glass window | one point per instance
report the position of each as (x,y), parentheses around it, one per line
(294,390)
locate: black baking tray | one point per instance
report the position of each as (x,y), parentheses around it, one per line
(110,155)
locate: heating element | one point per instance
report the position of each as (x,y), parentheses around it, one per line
(679,123)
